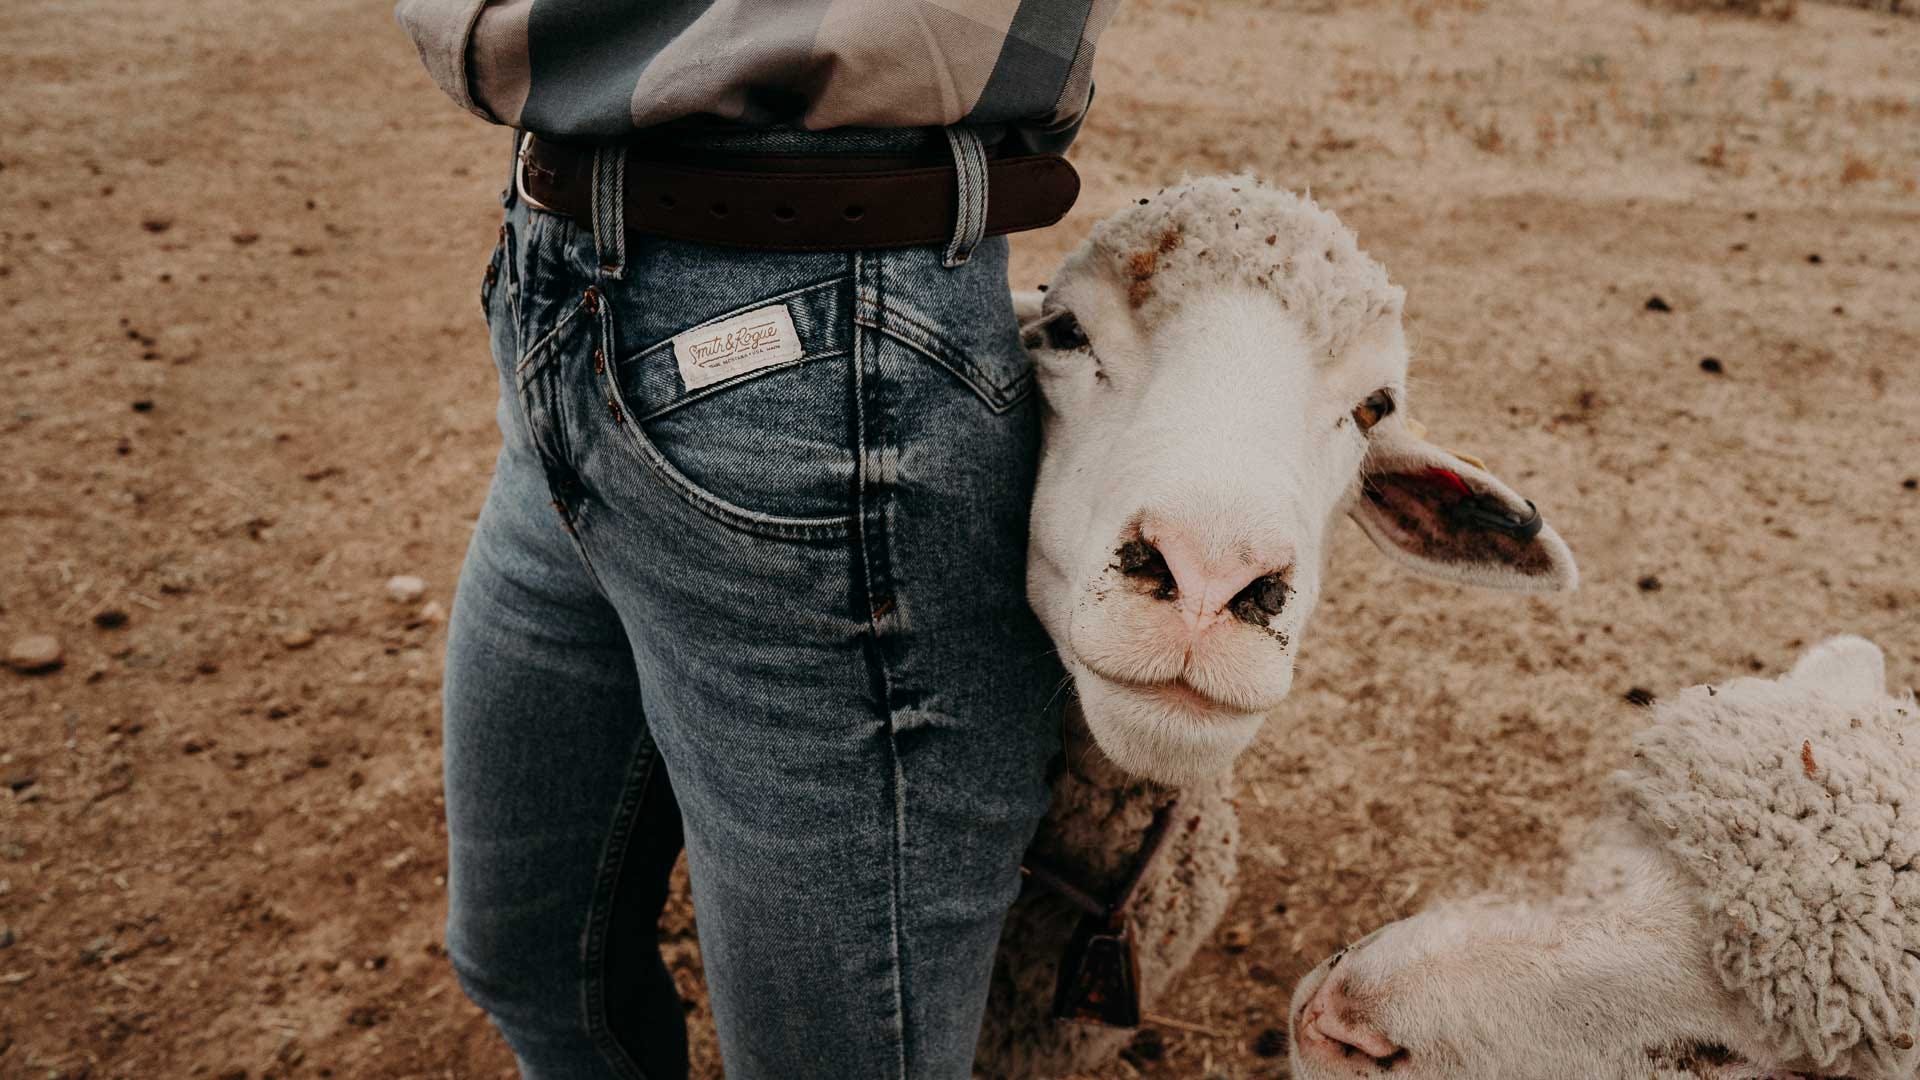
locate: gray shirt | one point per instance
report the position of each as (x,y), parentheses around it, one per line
(601,69)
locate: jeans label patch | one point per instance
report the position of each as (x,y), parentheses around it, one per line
(718,351)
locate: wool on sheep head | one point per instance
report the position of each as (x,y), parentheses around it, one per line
(1225,374)
(1751,911)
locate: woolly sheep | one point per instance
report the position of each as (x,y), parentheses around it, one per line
(1225,375)
(1751,909)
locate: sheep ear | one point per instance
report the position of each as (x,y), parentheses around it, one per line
(1446,516)
(1846,666)
(1026,305)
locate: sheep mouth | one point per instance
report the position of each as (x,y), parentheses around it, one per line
(1181,695)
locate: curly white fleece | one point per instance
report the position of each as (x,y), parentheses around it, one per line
(1798,809)
(1201,233)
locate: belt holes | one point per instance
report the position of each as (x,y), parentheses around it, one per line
(718,210)
(854,212)
(784,213)
(668,202)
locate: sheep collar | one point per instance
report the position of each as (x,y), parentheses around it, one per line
(1099,972)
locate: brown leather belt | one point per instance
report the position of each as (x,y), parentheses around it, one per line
(788,203)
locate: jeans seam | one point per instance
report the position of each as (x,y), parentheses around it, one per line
(877,574)
(593,987)
(898,324)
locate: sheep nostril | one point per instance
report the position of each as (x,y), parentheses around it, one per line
(1261,600)
(1140,560)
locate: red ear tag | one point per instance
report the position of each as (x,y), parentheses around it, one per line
(1447,478)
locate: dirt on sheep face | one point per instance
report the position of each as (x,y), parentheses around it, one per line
(220,818)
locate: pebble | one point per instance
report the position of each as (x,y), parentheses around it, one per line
(432,612)
(405,588)
(35,653)
(1237,937)
(110,618)
(297,638)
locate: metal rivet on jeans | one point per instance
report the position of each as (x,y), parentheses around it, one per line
(599,362)
(591,300)
(613,410)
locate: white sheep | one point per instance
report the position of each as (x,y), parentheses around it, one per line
(1751,909)
(1225,376)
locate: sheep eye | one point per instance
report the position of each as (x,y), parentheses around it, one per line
(1063,332)
(1377,407)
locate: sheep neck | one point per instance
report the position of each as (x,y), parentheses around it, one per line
(1100,814)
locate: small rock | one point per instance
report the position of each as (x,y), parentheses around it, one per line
(1649,584)
(1911,483)
(110,618)
(1656,303)
(432,612)
(1815,259)
(297,638)
(1270,1043)
(35,653)
(143,405)
(1711,365)
(20,781)
(1236,938)
(1640,696)
(156,224)
(405,588)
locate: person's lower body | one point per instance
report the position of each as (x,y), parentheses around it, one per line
(785,610)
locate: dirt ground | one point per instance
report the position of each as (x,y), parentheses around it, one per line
(246,383)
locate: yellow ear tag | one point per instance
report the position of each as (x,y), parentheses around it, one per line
(1419,431)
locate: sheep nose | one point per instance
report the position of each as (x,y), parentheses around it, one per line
(1251,589)
(1334,1027)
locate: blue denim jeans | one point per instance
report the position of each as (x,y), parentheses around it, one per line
(781,616)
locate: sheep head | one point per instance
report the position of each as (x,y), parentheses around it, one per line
(1225,373)
(1665,956)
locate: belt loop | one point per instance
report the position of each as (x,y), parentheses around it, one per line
(610,209)
(970,170)
(509,193)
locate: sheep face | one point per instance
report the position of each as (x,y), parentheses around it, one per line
(1225,375)
(1501,990)
(1622,976)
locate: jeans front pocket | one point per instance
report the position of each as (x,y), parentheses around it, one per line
(751,412)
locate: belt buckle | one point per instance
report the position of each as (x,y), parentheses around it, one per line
(520,173)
